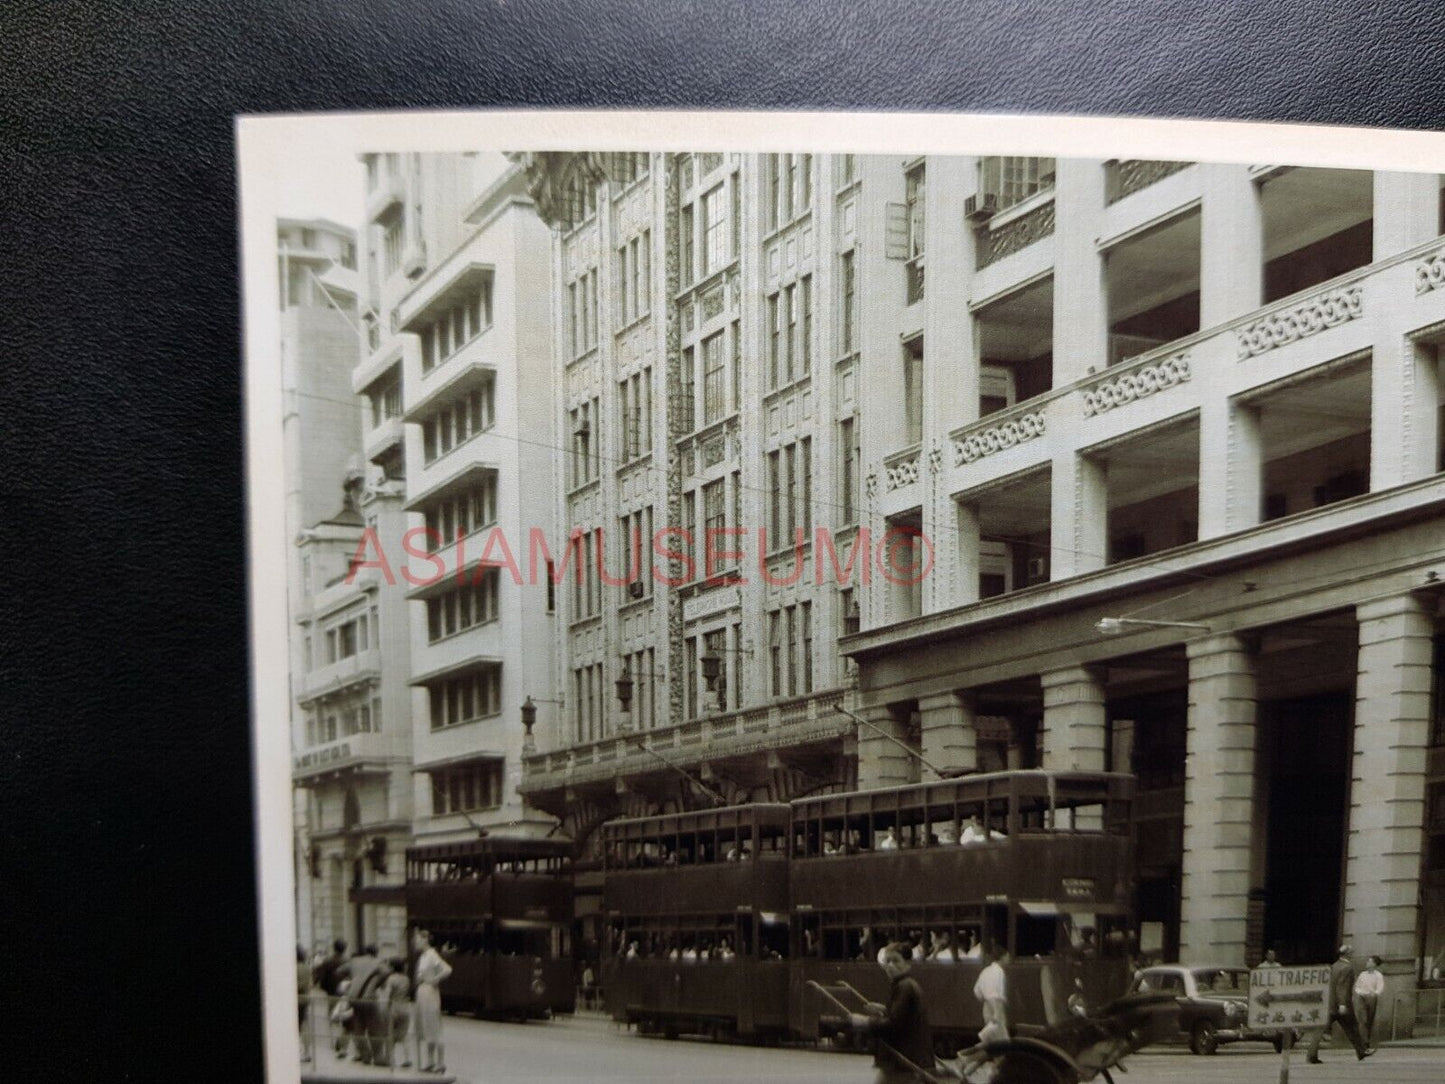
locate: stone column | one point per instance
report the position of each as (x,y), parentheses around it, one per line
(949,739)
(1075,720)
(1219,791)
(1407,211)
(1231,238)
(1404,407)
(1081,310)
(1387,791)
(966,554)
(1079,512)
(881,763)
(1231,467)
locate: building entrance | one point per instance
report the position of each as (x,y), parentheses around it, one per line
(1306,742)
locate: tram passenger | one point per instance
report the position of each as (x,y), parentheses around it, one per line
(724,950)
(900,1029)
(973,831)
(943,951)
(889,842)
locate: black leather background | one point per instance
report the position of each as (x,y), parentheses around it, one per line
(126,861)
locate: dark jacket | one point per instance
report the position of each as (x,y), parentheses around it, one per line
(326,973)
(904,1027)
(1342,985)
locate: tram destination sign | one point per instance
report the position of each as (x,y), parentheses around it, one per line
(1289,997)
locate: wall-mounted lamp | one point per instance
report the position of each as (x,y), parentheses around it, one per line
(624,689)
(1112,626)
(529,720)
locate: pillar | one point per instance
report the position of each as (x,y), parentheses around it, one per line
(1075,720)
(1407,211)
(881,763)
(966,554)
(1387,785)
(1078,515)
(1404,407)
(950,742)
(1231,467)
(1219,791)
(1231,239)
(1081,309)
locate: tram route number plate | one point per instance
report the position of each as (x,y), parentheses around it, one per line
(1078,888)
(1289,997)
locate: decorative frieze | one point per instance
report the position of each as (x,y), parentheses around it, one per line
(1430,273)
(996,439)
(1130,175)
(1140,383)
(1283,326)
(870,483)
(996,243)
(902,473)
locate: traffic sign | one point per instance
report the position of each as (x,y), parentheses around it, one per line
(1292,998)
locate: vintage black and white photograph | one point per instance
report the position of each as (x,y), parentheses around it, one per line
(882,598)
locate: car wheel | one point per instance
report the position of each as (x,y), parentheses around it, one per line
(1203,1039)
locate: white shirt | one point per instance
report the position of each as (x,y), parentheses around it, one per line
(972,834)
(1370,982)
(888,843)
(990,985)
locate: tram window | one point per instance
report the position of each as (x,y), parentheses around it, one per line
(1035,935)
(745,935)
(772,936)
(996,817)
(810,937)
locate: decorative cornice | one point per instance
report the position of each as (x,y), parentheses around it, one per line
(1430,273)
(1014,431)
(1326,310)
(1142,382)
(1133,174)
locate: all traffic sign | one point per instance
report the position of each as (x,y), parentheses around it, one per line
(1289,997)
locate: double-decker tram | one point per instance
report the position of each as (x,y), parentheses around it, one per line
(726,921)
(500,911)
(698,928)
(1035,863)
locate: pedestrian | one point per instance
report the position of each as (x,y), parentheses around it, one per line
(431,971)
(395,998)
(1368,988)
(328,977)
(364,975)
(1270,959)
(303,1001)
(991,989)
(900,1029)
(1341,1009)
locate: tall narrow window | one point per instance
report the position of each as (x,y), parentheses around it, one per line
(775,651)
(775,191)
(714,512)
(805,183)
(806,344)
(790,312)
(689,389)
(805,452)
(685,246)
(775,330)
(715,230)
(736,366)
(792,646)
(913,390)
(775,501)
(846,498)
(689,657)
(807,647)
(790,483)
(714,379)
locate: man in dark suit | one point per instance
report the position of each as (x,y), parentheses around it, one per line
(901,1027)
(1341,1008)
(328,977)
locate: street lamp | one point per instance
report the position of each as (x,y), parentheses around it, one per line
(624,689)
(711,667)
(529,720)
(1112,626)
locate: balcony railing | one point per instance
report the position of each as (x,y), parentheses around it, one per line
(780,724)
(1129,175)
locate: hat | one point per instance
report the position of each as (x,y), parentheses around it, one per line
(1346,949)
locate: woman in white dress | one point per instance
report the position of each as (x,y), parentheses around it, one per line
(431,970)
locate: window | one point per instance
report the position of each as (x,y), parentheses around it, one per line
(347,638)
(689,657)
(714,379)
(586,464)
(914,186)
(466,787)
(737,365)
(848,273)
(848,499)
(775,331)
(775,651)
(689,389)
(807,609)
(469,696)
(685,240)
(1013,180)
(464,607)
(805,345)
(790,490)
(637,555)
(587,584)
(458,421)
(689,526)
(847,169)
(913,390)
(715,643)
(790,314)
(775,499)
(635,397)
(714,518)
(633,270)
(391,244)
(582,312)
(805,476)
(805,183)
(775,192)
(714,230)
(465,513)
(386,403)
(792,665)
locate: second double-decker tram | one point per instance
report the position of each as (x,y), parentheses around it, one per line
(500,911)
(698,929)
(1038,863)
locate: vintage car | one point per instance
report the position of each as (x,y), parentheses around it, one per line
(1213,1003)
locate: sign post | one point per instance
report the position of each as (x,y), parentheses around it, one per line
(1286,1000)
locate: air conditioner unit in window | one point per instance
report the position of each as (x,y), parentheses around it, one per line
(636,589)
(980,208)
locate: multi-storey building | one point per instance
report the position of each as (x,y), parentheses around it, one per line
(1148,468)
(349,691)
(1170,435)
(455,378)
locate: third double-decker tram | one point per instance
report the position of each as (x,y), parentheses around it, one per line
(697,911)
(1035,862)
(500,911)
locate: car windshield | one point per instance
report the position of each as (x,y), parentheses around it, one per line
(1221,980)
